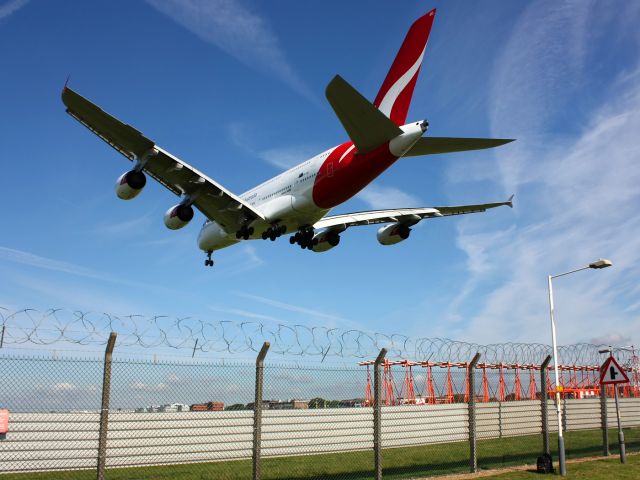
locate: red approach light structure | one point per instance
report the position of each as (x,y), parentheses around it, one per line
(448,382)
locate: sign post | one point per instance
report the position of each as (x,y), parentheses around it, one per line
(612,374)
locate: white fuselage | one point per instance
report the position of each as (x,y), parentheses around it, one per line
(286,199)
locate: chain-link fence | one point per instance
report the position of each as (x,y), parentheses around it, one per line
(390,419)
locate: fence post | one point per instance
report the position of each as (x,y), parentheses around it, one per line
(104,408)
(377,414)
(257,411)
(473,457)
(544,405)
(604,421)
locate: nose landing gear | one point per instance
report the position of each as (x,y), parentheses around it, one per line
(208,262)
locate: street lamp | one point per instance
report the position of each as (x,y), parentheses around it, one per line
(601,263)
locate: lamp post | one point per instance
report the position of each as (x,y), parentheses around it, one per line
(601,263)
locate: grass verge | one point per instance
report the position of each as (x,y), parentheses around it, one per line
(398,463)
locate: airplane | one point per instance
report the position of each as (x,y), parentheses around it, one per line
(298,200)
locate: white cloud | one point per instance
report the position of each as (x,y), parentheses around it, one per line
(288,157)
(11,7)
(236,30)
(280,157)
(578,194)
(31,259)
(289,307)
(613,339)
(240,260)
(54,288)
(146,387)
(243,313)
(379,197)
(63,387)
(134,226)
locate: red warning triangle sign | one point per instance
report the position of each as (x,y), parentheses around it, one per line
(611,372)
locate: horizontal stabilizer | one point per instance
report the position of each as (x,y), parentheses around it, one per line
(366,126)
(433,145)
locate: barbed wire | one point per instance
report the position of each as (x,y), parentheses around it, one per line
(55,326)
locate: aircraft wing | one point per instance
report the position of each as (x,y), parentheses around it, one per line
(408,216)
(212,199)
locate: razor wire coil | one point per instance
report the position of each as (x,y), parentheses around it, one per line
(55,326)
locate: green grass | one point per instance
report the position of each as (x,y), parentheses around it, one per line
(592,470)
(398,463)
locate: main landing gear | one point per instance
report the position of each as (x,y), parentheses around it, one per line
(304,238)
(208,262)
(244,233)
(274,232)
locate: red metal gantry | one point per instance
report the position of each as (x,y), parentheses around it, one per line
(577,381)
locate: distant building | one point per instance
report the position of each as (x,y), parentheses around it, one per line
(292,404)
(354,402)
(175,407)
(207,407)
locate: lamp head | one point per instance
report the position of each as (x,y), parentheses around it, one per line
(601,263)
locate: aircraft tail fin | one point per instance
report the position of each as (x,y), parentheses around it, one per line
(366,126)
(394,96)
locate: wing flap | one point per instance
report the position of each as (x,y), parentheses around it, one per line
(435,145)
(211,198)
(366,126)
(410,216)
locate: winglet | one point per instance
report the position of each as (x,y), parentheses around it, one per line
(509,202)
(66,82)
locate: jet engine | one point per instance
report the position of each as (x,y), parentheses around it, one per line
(325,240)
(178,216)
(130,184)
(393,233)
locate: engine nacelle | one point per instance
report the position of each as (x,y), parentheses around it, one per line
(178,216)
(394,233)
(325,240)
(130,184)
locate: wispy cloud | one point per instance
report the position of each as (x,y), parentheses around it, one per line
(33,260)
(238,312)
(125,227)
(11,7)
(30,259)
(240,260)
(280,157)
(287,157)
(379,197)
(238,31)
(290,307)
(579,193)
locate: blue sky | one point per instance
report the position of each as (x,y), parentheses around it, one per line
(236,88)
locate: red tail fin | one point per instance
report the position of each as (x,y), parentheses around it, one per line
(395,94)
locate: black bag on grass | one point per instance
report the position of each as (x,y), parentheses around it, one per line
(545,464)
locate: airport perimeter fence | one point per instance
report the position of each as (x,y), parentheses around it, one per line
(380,419)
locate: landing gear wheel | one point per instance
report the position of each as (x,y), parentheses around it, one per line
(244,232)
(208,262)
